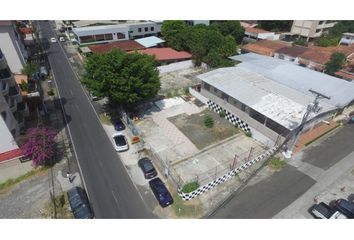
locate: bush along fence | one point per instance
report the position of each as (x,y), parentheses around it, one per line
(226,177)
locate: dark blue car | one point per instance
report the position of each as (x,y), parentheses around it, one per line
(161,192)
(118,124)
(79,203)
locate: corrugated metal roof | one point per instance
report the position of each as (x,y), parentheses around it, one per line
(278,89)
(299,78)
(150,41)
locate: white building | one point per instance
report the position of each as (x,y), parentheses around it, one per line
(347,39)
(260,34)
(310,29)
(12,47)
(116,32)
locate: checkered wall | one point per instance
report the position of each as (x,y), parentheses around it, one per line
(224,178)
(229,116)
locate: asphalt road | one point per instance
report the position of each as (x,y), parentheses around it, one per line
(269,196)
(111,191)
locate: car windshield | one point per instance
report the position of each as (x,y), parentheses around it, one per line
(148,166)
(120,140)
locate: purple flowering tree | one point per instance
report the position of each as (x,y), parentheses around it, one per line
(40,146)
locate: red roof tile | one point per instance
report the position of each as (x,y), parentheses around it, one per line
(265,47)
(166,54)
(26,30)
(10,154)
(255,30)
(345,75)
(126,45)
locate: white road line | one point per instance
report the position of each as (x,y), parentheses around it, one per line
(115,198)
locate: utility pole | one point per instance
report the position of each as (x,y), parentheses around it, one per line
(311,107)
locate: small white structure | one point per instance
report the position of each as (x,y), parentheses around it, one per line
(347,39)
(260,34)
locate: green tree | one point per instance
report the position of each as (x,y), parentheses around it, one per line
(125,78)
(29,69)
(335,63)
(276,25)
(327,40)
(174,32)
(232,28)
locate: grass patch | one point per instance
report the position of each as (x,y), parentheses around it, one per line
(313,140)
(13,181)
(276,163)
(61,208)
(222,113)
(209,121)
(51,92)
(105,119)
(186,208)
(190,187)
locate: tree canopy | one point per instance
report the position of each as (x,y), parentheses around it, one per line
(335,63)
(232,28)
(40,146)
(275,25)
(334,34)
(206,43)
(125,78)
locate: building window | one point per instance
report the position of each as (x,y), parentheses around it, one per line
(5,73)
(215,90)
(146,29)
(99,37)
(276,127)
(139,29)
(86,39)
(257,116)
(120,35)
(152,29)
(243,107)
(236,103)
(108,36)
(4,115)
(225,97)
(206,86)
(318,30)
(321,22)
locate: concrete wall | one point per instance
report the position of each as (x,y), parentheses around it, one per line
(134,29)
(253,124)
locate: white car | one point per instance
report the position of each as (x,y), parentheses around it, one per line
(62,39)
(120,142)
(53,40)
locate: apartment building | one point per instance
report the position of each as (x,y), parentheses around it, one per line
(12,107)
(310,29)
(12,46)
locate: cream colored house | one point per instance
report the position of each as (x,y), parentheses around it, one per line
(311,29)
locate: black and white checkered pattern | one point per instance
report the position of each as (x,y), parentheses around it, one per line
(224,178)
(229,116)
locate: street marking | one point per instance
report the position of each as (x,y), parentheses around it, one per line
(115,198)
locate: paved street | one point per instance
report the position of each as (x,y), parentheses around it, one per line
(269,196)
(111,191)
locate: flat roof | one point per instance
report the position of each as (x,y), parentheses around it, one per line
(278,89)
(150,41)
(86,30)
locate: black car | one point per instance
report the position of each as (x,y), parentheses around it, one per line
(322,210)
(118,124)
(148,169)
(79,203)
(161,192)
(345,207)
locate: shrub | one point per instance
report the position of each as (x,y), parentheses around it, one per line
(208,121)
(186,91)
(169,95)
(190,187)
(222,113)
(276,163)
(51,92)
(248,134)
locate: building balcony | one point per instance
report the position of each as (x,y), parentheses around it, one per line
(23,108)
(4,87)
(5,74)
(15,93)
(13,105)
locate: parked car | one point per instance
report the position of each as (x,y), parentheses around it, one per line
(53,40)
(118,124)
(43,72)
(147,167)
(322,210)
(79,203)
(161,193)
(345,207)
(120,142)
(62,39)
